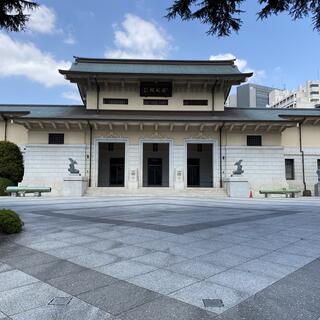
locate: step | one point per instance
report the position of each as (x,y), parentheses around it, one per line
(151,191)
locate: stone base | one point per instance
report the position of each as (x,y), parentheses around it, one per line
(317,189)
(133,185)
(237,187)
(74,186)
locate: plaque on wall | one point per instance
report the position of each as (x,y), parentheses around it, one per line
(155,89)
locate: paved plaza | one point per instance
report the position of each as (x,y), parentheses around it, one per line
(161,258)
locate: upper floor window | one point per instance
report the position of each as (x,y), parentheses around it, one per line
(195,102)
(115,101)
(56,138)
(314,85)
(155,102)
(289,163)
(254,141)
(314,92)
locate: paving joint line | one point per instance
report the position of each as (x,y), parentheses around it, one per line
(184,229)
(160,296)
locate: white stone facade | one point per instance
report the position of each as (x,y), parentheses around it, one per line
(47,165)
(264,166)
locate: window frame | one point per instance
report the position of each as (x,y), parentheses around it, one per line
(120,101)
(55,135)
(155,102)
(252,136)
(292,164)
(195,102)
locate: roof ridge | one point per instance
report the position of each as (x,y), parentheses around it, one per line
(154,61)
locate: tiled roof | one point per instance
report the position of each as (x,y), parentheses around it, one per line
(68,112)
(158,67)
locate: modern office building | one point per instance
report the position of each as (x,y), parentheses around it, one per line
(252,95)
(306,96)
(162,125)
(231,101)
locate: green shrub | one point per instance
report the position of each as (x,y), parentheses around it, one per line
(11,162)
(4,183)
(10,221)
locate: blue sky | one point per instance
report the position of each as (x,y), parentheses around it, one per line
(280,52)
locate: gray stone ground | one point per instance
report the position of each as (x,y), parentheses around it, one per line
(158,258)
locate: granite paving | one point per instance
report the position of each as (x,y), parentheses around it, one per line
(160,257)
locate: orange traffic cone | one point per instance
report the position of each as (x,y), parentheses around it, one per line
(250,194)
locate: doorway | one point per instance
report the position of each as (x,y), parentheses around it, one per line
(156,164)
(111,167)
(193,172)
(154,172)
(199,165)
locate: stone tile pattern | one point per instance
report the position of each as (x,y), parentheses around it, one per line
(169,254)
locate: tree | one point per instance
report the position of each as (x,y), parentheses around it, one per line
(223,16)
(11,162)
(14,14)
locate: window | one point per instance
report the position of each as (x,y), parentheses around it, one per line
(155,102)
(314,85)
(110,146)
(155,147)
(114,101)
(199,147)
(289,169)
(314,92)
(195,102)
(254,141)
(56,138)
(318,164)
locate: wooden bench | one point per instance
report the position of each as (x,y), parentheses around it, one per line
(287,192)
(22,190)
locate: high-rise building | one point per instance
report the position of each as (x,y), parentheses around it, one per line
(231,101)
(306,96)
(252,95)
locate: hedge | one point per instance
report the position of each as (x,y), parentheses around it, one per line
(4,183)
(11,162)
(10,221)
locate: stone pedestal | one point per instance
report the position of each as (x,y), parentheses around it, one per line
(133,179)
(74,186)
(178,179)
(317,189)
(237,187)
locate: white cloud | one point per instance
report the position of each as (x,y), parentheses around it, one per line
(70,39)
(138,38)
(25,59)
(72,95)
(242,64)
(42,19)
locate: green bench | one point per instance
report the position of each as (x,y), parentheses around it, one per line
(22,190)
(287,192)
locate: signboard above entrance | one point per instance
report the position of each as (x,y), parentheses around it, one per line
(155,89)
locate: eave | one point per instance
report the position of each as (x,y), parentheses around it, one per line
(152,125)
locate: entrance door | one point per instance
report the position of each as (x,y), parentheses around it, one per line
(111,166)
(116,172)
(154,171)
(193,173)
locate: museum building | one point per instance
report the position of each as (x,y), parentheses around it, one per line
(162,124)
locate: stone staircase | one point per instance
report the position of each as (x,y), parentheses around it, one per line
(151,191)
